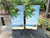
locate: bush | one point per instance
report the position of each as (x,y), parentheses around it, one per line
(43,23)
(48,29)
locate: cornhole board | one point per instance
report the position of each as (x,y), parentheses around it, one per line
(32,23)
(18,23)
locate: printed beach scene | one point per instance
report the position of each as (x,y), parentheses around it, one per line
(32,23)
(18,23)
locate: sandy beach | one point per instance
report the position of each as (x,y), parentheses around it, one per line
(14,28)
(29,27)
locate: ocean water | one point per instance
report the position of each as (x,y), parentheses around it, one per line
(16,25)
(22,25)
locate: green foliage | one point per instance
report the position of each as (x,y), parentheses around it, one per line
(28,8)
(16,2)
(43,22)
(1,7)
(38,2)
(0,1)
(14,11)
(29,11)
(23,2)
(48,29)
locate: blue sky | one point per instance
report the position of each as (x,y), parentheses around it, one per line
(20,18)
(34,19)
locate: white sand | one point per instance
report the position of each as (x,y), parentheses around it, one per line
(17,28)
(29,27)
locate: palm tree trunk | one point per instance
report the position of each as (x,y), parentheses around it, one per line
(24,19)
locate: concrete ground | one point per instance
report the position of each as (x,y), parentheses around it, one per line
(7,32)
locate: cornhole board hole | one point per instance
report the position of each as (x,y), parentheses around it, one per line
(18,23)
(32,23)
